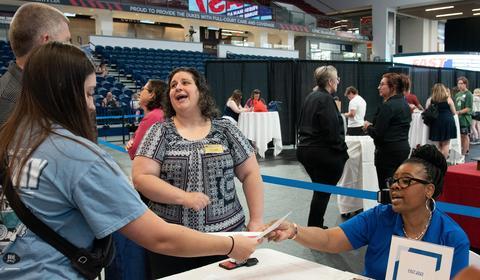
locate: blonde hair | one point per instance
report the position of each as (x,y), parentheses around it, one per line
(439,93)
(476,91)
(323,74)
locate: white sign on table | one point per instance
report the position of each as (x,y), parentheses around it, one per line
(413,259)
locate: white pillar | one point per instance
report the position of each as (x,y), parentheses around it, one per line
(384,19)
(291,41)
(103,23)
(261,39)
(418,35)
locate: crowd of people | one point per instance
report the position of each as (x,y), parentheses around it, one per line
(185,161)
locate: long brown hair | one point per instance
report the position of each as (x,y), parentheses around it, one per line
(53,93)
(159,88)
(236,96)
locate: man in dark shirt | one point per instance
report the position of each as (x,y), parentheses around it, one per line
(32,25)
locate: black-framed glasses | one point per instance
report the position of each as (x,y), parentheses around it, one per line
(405,182)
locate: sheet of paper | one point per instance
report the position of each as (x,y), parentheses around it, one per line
(415,266)
(252,234)
(273,226)
(410,259)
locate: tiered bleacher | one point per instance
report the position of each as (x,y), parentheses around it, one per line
(254,57)
(144,64)
(6,55)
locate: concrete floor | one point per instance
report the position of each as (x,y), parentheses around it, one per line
(279,200)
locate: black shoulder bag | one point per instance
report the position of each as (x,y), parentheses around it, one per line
(430,114)
(88,263)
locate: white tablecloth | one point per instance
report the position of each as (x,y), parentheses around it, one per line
(262,127)
(419,132)
(272,265)
(359,173)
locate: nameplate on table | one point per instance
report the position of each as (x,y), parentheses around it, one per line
(413,259)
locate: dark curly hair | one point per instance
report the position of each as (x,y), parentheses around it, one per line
(159,88)
(206,103)
(434,163)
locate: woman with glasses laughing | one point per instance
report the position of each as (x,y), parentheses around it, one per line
(412,214)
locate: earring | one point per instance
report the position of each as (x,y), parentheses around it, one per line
(433,203)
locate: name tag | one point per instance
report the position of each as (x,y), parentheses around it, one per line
(213,148)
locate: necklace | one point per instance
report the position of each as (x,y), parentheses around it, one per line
(419,237)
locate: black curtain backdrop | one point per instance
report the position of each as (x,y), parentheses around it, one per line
(458,38)
(290,81)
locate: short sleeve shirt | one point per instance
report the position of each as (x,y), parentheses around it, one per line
(360,106)
(376,226)
(464,99)
(205,165)
(69,187)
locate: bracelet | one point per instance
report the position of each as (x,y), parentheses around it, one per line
(233,244)
(295,232)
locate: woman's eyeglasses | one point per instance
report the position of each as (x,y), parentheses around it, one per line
(405,182)
(146,88)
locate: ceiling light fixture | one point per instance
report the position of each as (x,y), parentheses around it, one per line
(449,15)
(147,21)
(69,14)
(476,14)
(340,21)
(477,9)
(438,8)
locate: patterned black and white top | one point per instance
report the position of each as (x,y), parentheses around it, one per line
(205,165)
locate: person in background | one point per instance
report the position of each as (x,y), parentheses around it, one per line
(356,112)
(390,128)
(102,70)
(109,101)
(233,107)
(443,127)
(415,185)
(255,103)
(135,105)
(32,25)
(186,166)
(321,147)
(151,97)
(70,183)
(476,117)
(463,104)
(411,98)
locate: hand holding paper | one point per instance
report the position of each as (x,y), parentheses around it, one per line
(273,226)
(282,229)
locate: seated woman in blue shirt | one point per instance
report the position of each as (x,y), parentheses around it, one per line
(412,214)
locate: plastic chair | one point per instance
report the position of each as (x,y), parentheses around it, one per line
(118,85)
(127,91)
(107,85)
(116,91)
(110,79)
(474,259)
